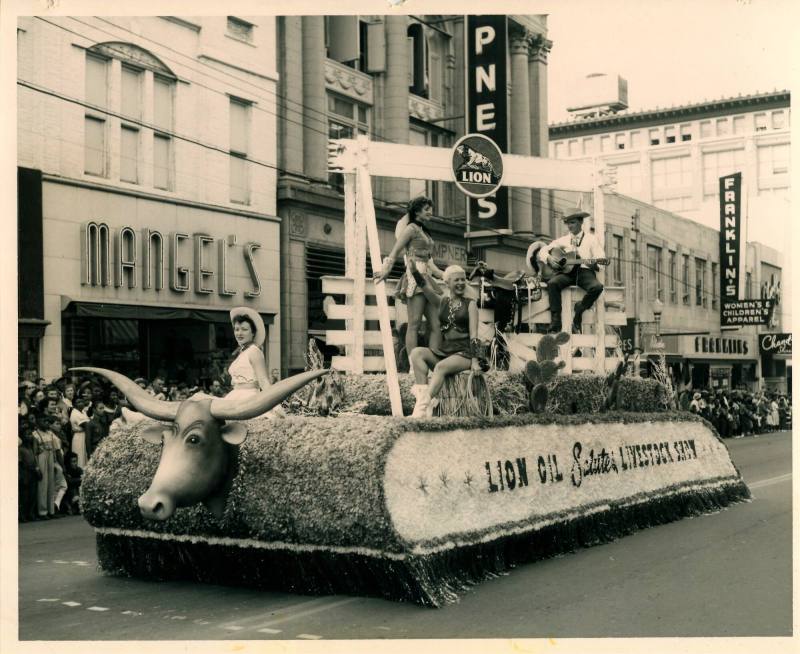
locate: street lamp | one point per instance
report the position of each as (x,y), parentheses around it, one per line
(658,307)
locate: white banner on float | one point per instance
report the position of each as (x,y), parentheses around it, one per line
(450,485)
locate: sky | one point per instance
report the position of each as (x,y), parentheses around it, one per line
(675,52)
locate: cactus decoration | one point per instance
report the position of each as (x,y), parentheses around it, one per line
(612,382)
(544,370)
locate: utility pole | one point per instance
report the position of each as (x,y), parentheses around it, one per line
(635,231)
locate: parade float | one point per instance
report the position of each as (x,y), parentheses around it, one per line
(348,496)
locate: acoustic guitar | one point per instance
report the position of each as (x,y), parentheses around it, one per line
(566,262)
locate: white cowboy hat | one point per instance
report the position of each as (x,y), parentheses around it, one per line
(261,331)
(533,251)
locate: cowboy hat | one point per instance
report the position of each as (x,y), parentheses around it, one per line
(532,257)
(576,212)
(261,331)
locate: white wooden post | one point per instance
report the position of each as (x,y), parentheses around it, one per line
(600,305)
(354,257)
(366,211)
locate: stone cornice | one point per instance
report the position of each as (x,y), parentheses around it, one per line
(424,109)
(659,116)
(348,81)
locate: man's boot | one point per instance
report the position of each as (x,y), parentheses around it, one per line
(555,324)
(420,391)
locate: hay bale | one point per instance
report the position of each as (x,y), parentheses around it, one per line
(641,394)
(409,509)
(464,395)
(580,393)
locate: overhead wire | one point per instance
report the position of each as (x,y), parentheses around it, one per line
(529,203)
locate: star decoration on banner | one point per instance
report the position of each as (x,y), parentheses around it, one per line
(443,478)
(422,485)
(468,479)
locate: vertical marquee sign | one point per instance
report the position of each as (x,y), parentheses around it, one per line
(735,310)
(486,109)
(730,222)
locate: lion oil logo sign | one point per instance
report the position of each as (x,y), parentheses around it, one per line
(477,165)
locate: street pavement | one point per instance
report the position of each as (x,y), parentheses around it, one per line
(723,574)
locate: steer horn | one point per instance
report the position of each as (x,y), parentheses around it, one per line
(223,409)
(138,397)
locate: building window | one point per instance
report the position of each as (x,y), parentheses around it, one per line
(699,283)
(705,129)
(163,116)
(654,273)
(761,122)
(346,41)
(162,166)
(723,128)
(129,155)
(419,70)
(130,107)
(346,119)
(240,29)
(95,121)
(588,145)
(672,183)
(773,166)
(717,164)
(636,140)
(714,285)
(95,146)
(605,144)
(617,251)
(655,136)
(438,46)
(572,146)
(629,178)
(673,281)
(685,279)
(239,147)
(558,150)
(686,132)
(777,120)
(619,141)
(669,134)
(739,124)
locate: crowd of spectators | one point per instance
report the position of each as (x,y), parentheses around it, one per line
(740,413)
(60,424)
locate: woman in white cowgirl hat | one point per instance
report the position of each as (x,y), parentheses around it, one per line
(249,370)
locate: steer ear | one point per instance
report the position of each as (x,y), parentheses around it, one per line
(153,434)
(234,433)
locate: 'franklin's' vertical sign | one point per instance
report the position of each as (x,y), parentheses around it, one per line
(730,220)
(487,108)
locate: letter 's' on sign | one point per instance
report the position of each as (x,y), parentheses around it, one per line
(486,111)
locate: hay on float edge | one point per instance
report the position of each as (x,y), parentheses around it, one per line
(313,489)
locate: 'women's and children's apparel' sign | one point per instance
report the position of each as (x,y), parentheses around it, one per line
(735,309)
(487,109)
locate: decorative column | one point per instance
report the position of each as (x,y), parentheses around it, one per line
(521,216)
(539,135)
(291,123)
(315,129)
(395,99)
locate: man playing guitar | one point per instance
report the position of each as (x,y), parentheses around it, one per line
(576,245)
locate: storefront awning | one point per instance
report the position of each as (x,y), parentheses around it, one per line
(144,312)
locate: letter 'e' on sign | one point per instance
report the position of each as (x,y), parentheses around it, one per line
(477,165)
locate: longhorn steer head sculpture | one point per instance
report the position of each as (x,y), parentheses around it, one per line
(199,448)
